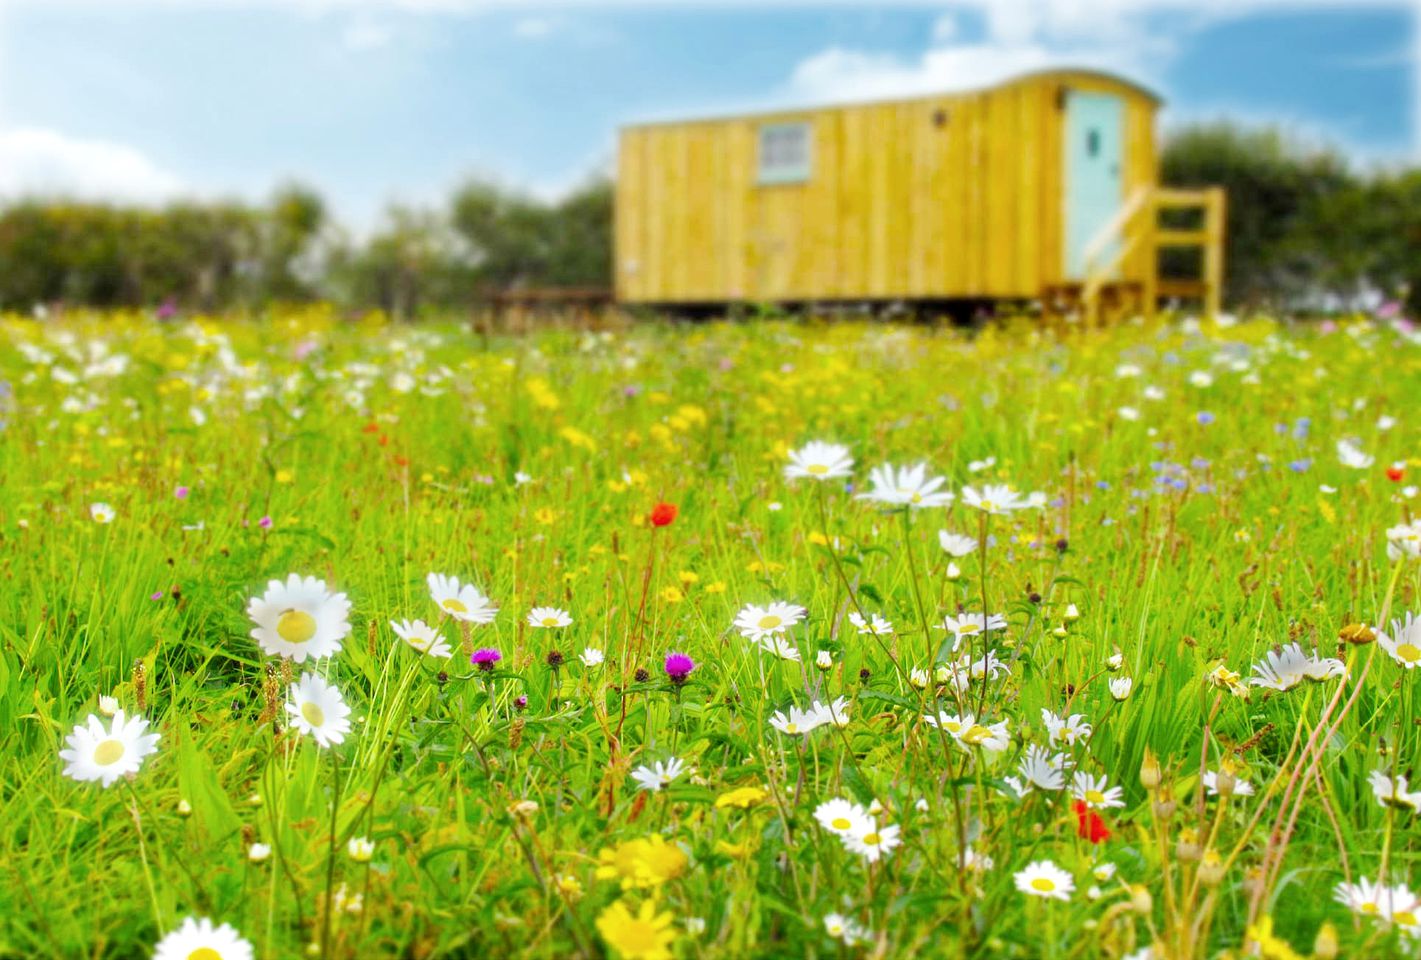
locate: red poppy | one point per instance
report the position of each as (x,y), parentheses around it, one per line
(1089,824)
(1394,474)
(663,514)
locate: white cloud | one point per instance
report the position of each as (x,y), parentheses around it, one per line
(1021,35)
(535,28)
(37,162)
(1017,39)
(365,34)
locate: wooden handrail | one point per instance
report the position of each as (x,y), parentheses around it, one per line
(1136,224)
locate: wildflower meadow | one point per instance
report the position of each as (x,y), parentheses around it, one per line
(779,639)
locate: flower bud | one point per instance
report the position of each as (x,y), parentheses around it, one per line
(1141,901)
(1358,633)
(1164,809)
(1225,783)
(1187,847)
(1211,869)
(1149,771)
(1325,946)
(953,573)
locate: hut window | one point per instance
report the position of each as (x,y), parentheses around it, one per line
(784,153)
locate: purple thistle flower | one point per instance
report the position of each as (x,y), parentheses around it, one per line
(679,667)
(180,492)
(264,523)
(485,658)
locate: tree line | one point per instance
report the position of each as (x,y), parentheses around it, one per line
(1305,230)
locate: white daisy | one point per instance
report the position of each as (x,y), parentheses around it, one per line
(422,637)
(1096,791)
(318,709)
(834,713)
(299,618)
(1363,897)
(1042,770)
(875,625)
(1350,455)
(819,461)
(1403,642)
(548,617)
(1403,540)
(360,849)
(966,732)
(989,666)
(956,544)
(1241,787)
(909,486)
(970,624)
(755,622)
(660,774)
(105,755)
(197,939)
(996,499)
(463,602)
(842,817)
(781,647)
(591,657)
(797,722)
(1286,668)
(102,512)
(1070,729)
(1392,792)
(1120,687)
(872,843)
(1044,879)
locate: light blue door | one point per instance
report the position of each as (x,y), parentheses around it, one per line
(1094,158)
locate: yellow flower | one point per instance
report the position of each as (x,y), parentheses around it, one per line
(819,538)
(742,797)
(645,935)
(736,851)
(717,587)
(1269,946)
(647,862)
(577,438)
(285,476)
(545,516)
(688,577)
(672,595)
(569,886)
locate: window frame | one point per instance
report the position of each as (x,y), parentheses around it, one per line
(781,173)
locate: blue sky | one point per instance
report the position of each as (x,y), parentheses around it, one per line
(373,100)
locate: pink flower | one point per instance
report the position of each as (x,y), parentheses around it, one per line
(180,492)
(264,523)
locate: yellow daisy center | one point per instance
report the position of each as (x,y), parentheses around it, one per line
(1408,652)
(977,734)
(840,823)
(1368,908)
(952,726)
(1404,917)
(108,753)
(296,626)
(313,714)
(1094,796)
(916,498)
(454,605)
(204,953)
(791,728)
(872,839)
(968,628)
(550,621)
(818,469)
(1044,884)
(769,621)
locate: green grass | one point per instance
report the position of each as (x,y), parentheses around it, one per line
(373,492)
